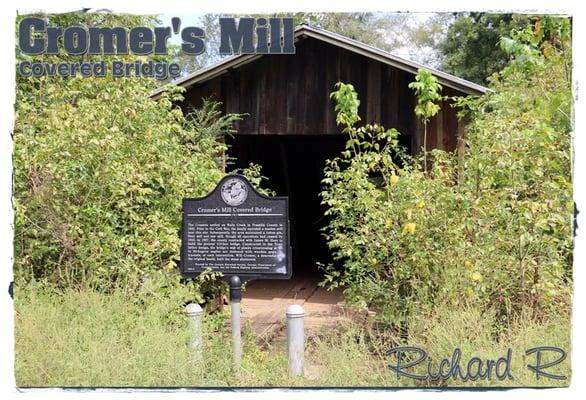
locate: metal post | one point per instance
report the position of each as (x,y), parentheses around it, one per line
(235,297)
(194,313)
(295,339)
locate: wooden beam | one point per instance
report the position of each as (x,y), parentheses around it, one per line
(373,106)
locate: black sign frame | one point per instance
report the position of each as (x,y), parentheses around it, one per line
(251,193)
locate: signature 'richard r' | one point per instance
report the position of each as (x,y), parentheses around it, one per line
(406,359)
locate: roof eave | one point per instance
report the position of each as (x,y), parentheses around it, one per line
(395,61)
(301,31)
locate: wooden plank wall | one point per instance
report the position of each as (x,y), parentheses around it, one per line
(290,95)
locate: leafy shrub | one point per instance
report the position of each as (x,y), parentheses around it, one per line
(100,170)
(517,175)
(388,224)
(493,230)
(427,90)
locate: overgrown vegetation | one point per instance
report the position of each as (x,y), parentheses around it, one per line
(495,234)
(471,48)
(100,170)
(107,340)
(99,173)
(428,93)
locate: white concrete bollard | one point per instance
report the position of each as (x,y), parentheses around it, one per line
(295,339)
(236,335)
(235,297)
(194,313)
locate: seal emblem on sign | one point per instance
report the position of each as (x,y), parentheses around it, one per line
(234,191)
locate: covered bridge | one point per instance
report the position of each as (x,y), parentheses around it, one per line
(290,127)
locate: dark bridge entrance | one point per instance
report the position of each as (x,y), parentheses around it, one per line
(291,94)
(294,166)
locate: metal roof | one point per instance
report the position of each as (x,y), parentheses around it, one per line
(303,31)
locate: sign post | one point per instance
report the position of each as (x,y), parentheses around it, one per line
(239,232)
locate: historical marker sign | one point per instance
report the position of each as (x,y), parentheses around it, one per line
(237,231)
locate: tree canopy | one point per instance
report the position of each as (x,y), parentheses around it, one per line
(471,48)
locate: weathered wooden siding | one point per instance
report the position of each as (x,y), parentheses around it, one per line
(290,95)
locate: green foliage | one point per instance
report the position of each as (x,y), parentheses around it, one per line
(190,63)
(129,339)
(100,170)
(388,227)
(253,172)
(347,104)
(428,94)
(113,339)
(518,176)
(208,122)
(471,46)
(423,37)
(381,30)
(494,232)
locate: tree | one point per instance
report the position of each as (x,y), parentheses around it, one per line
(471,47)
(421,37)
(189,63)
(375,29)
(428,93)
(517,173)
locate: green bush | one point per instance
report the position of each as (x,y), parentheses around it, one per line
(492,230)
(517,176)
(388,225)
(100,170)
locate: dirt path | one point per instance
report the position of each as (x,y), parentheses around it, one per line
(264,304)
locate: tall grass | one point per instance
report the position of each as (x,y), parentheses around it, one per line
(84,338)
